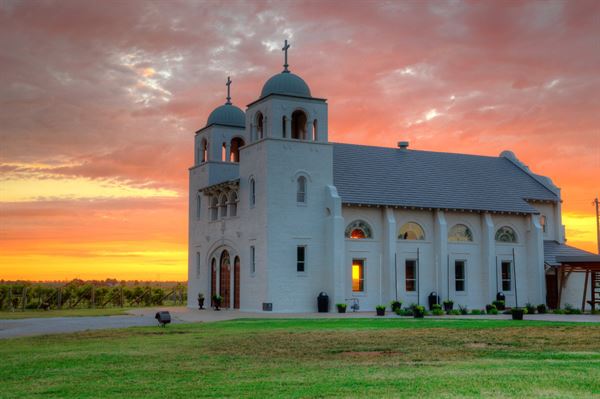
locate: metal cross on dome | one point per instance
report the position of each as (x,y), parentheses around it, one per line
(285,48)
(228,84)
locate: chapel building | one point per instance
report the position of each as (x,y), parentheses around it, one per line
(279,214)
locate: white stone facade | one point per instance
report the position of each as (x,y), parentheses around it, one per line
(262,219)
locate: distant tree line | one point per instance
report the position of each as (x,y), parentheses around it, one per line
(81,294)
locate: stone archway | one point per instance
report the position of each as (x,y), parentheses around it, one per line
(225,279)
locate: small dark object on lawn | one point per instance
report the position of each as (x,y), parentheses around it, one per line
(163,318)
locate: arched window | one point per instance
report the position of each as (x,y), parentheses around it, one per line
(315,136)
(301,190)
(233,199)
(359,229)
(223,205)
(543,223)
(506,234)
(236,144)
(460,232)
(198,205)
(411,231)
(214,208)
(204,150)
(259,125)
(252,192)
(283,126)
(299,125)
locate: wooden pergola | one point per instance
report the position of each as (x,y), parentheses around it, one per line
(590,265)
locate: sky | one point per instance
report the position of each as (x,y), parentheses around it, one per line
(99,102)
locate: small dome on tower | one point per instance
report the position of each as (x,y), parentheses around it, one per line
(227,114)
(286,83)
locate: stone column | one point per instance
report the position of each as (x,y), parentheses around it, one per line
(389,255)
(309,131)
(288,126)
(534,265)
(440,239)
(488,259)
(335,247)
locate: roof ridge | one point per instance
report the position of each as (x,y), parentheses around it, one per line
(413,150)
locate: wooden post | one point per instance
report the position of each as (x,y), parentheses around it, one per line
(585,285)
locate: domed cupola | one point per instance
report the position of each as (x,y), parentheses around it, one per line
(286,82)
(227,114)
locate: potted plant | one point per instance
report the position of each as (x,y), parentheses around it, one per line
(201,301)
(491,309)
(380,310)
(418,312)
(448,305)
(500,305)
(341,307)
(517,313)
(396,305)
(436,310)
(217,299)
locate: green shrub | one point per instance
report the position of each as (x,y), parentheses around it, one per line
(463,309)
(454,312)
(436,306)
(500,305)
(395,305)
(404,312)
(541,308)
(569,309)
(437,312)
(476,312)
(380,307)
(530,308)
(558,311)
(493,311)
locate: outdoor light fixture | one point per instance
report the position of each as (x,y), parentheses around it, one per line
(163,318)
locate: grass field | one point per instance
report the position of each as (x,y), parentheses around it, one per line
(310,358)
(27,314)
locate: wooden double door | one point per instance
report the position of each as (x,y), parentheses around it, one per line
(221,282)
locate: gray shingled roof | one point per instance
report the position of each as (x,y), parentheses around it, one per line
(555,253)
(391,176)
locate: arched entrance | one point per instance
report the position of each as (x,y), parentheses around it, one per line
(236,283)
(224,279)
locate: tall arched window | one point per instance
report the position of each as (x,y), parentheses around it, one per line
(283,126)
(236,144)
(358,229)
(315,136)
(506,234)
(204,150)
(214,208)
(460,232)
(198,205)
(411,231)
(223,205)
(252,192)
(233,199)
(299,125)
(301,190)
(259,125)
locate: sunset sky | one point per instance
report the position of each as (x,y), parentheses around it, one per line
(99,102)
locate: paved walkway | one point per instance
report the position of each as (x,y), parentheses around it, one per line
(145,317)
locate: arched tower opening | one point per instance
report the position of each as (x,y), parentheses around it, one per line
(236,144)
(299,125)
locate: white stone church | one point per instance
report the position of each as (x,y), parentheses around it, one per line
(278,214)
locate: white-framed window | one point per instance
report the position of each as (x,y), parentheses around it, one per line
(358,275)
(301,190)
(543,223)
(214,208)
(459,233)
(411,231)
(252,259)
(197,265)
(301,258)
(506,270)
(460,278)
(410,275)
(252,192)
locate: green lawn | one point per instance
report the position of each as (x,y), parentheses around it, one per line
(310,358)
(27,314)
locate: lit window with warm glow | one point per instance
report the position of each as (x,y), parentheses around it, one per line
(460,232)
(411,275)
(358,275)
(358,230)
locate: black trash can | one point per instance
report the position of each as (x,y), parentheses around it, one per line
(500,296)
(434,298)
(323,302)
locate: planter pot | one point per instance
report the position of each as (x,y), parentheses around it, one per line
(201,303)
(341,310)
(448,307)
(418,314)
(517,314)
(380,312)
(396,306)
